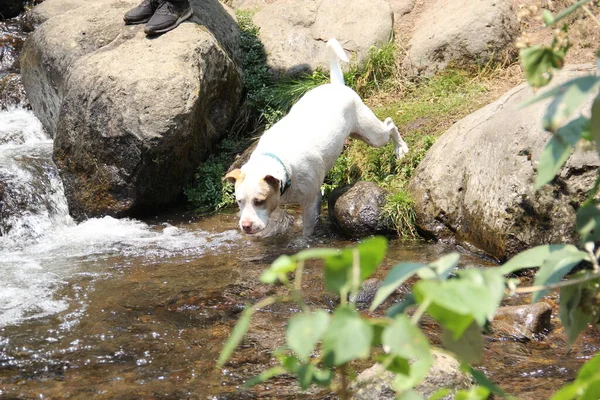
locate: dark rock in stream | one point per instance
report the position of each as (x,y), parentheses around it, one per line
(131,117)
(356,210)
(11,8)
(525,321)
(475,185)
(367,293)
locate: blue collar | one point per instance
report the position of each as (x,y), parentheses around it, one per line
(288,181)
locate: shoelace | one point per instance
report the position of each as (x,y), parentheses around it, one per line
(166,8)
(154,4)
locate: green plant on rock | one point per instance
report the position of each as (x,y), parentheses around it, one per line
(321,346)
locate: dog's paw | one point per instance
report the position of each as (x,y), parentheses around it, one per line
(401,151)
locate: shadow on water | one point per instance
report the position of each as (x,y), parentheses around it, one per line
(146,317)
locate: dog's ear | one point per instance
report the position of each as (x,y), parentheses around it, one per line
(272,181)
(235,176)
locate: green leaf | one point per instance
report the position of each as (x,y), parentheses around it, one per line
(468,347)
(236,336)
(567,11)
(553,157)
(338,268)
(531,258)
(440,394)
(483,380)
(578,128)
(567,99)
(278,271)
(456,302)
(558,149)
(441,268)
(305,375)
(265,376)
(538,63)
(372,252)
(574,319)
(402,339)
(587,222)
(474,393)
(591,369)
(555,267)
(316,253)
(348,336)
(305,330)
(395,278)
(490,279)
(445,265)
(592,391)
(568,392)
(322,377)
(378,324)
(595,122)
(410,395)
(400,307)
(395,364)
(547,17)
(587,384)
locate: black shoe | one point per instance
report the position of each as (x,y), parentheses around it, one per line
(142,13)
(167,16)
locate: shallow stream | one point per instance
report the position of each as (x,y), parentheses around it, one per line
(129,309)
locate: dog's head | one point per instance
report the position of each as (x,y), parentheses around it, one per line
(257,195)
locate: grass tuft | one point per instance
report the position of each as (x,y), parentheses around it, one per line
(399,210)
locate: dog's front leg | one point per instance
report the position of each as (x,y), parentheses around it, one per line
(310,215)
(401,148)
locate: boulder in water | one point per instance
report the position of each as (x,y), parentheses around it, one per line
(131,116)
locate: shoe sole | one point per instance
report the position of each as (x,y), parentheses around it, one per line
(141,21)
(185,16)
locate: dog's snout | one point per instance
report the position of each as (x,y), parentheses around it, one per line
(247,226)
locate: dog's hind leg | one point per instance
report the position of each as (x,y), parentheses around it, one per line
(310,215)
(376,133)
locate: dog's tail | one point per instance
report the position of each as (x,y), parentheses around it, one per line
(336,53)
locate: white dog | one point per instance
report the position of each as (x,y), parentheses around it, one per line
(293,157)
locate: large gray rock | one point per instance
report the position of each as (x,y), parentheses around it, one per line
(251,5)
(401,7)
(476,182)
(461,32)
(294,32)
(131,117)
(376,383)
(357,210)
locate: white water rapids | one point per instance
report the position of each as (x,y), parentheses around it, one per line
(41,247)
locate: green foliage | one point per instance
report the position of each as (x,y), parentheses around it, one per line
(320,346)
(540,62)
(209,192)
(305,330)
(579,306)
